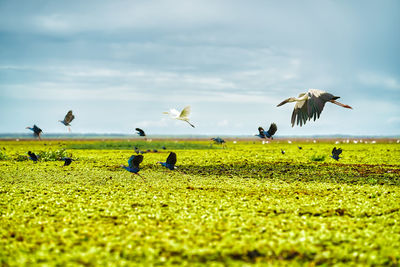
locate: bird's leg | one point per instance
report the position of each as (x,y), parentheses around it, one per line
(340,104)
(69,129)
(190,124)
(144,180)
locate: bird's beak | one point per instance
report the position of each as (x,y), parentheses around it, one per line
(283,102)
(340,104)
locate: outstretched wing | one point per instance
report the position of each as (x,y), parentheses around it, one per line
(36,129)
(272,129)
(69,117)
(135,160)
(300,112)
(171,158)
(316,102)
(185,112)
(141,132)
(261,130)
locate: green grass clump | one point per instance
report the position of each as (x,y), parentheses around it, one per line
(318,157)
(246,204)
(3,156)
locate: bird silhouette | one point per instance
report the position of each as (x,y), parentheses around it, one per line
(67,119)
(336,153)
(140,132)
(183,115)
(133,165)
(310,105)
(299,147)
(32,156)
(271,131)
(67,161)
(170,162)
(282,151)
(218,140)
(36,131)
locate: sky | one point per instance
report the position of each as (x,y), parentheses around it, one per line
(119,64)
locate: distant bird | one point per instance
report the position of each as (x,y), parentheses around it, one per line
(133,165)
(336,153)
(140,132)
(155,150)
(32,156)
(163,147)
(183,115)
(67,119)
(67,161)
(171,161)
(310,105)
(299,147)
(271,131)
(282,151)
(218,140)
(36,131)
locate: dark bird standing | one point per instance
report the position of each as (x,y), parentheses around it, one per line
(36,131)
(32,156)
(67,161)
(336,153)
(218,140)
(310,105)
(171,161)
(140,132)
(271,131)
(282,151)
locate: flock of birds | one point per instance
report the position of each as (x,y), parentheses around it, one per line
(308,106)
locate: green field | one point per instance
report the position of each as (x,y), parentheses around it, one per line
(240,204)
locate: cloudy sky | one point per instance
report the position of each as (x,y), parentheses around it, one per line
(119,64)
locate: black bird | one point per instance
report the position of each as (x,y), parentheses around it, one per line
(133,165)
(67,161)
(282,151)
(36,131)
(163,147)
(218,140)
(67,119)
(300,147)
(140,132)
(336,153)
(171,161)
(32,156)
(271,131)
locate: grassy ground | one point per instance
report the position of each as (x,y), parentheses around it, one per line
(243,204)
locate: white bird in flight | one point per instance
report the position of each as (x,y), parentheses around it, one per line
(183,115)
(310,105)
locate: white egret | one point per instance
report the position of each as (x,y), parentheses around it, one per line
(183,115)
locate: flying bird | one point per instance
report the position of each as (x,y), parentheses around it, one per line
(67,119)
(183,115)
(140,132)
(336,153)
(36,131)
(310,105)
(271,131)
(133,165)
(67,161)
(171,161)
(32,156)
(218,140)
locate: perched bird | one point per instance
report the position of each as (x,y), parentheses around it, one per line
(133,165)
(36,131)
(271,131)
(218,140)
(310,105)
(67,119)
(300,147)
(67,161)
(183,115)
(32,156)
(282,151)
(336,153)
(171,161)
(140,132)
